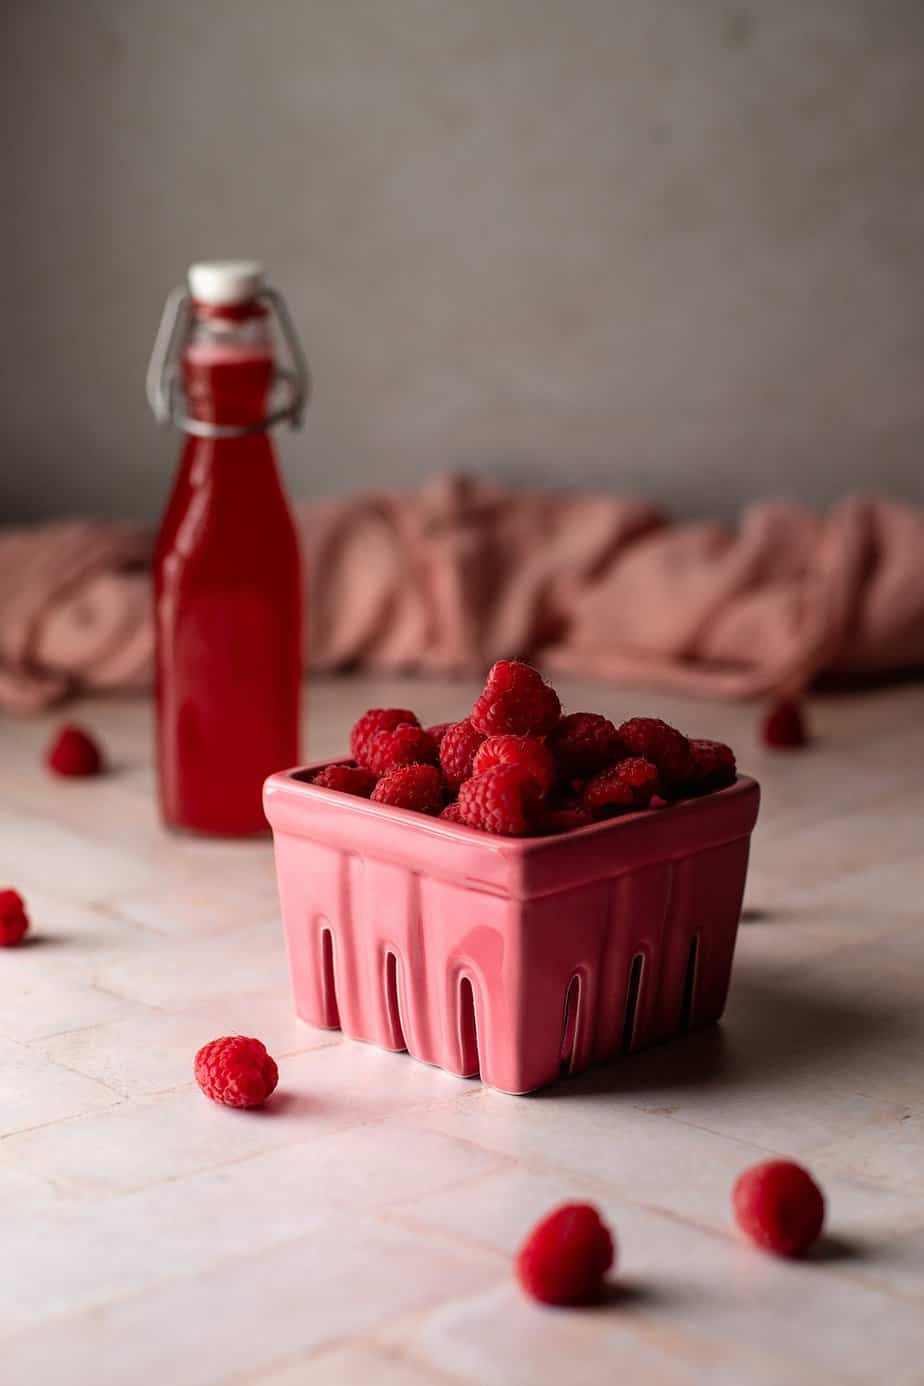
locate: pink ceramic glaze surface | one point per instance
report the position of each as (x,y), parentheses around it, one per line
(519,959)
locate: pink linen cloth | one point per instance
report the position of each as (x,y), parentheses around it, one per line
(462,572)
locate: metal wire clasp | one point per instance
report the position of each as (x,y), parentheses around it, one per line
(163,375)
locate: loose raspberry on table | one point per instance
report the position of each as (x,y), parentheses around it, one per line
(663,745)
(417,787)
(622,788)
(503,800)
(515,701)
(451,812)
(438,731)
(564,820)
(713,766)
(236,1071)
(583,743)
(457,752)
(779,1206)
(14,921)
(74,752)
(566,1256)
(375,720)
(526,751)
(406,744)
(784,726)
(348,779)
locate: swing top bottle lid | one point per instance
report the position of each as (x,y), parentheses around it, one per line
(216,282)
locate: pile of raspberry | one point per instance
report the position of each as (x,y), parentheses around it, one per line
(519,767)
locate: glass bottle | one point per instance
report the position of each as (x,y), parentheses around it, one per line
(227,573)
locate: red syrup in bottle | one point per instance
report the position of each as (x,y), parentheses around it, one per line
(227,573)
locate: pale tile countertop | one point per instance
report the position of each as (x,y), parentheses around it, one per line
(360,1230)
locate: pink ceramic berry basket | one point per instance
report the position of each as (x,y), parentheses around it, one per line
(521,960)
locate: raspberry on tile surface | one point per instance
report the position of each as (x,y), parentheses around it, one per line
(14,921)
(784,727)
(566,1257)
(236,1071)
(779,1206)
(74,752)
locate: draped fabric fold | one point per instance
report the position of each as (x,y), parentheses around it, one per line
(461,572)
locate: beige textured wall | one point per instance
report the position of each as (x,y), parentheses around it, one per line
(669,245)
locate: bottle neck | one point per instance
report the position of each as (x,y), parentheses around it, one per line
(228,364)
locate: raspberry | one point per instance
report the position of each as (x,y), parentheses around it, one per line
(524,751)
(451,812)
(13,918)
(624,787)
(515,701)
(457,752)
(563,820)
(565,1258)
(713,766)
(504,800)
(375,720)
(438,731)
(783,727)
(779,1206)
(74,752)
(663,745)
(348,779)
(236,1071)
(417,787)
(584,743)
(406,744)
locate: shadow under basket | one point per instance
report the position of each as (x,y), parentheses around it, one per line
(517,959)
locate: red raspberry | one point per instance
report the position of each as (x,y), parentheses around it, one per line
(438,731)
(236,1071)
(783,727)
(624,787)
(779,1206)
(584,743)
(13,918)
(458,751)
(663,745)
(451,812)
(565,1258)
(74,752)
(406,744)
(524,751)
(564,820)
(417,787)
(515,701)
(713,766)
(504,800)
(375,720)
(348,779)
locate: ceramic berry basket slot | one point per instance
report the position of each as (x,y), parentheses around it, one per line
(516,959)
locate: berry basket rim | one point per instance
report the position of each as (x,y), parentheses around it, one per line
(294,781)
